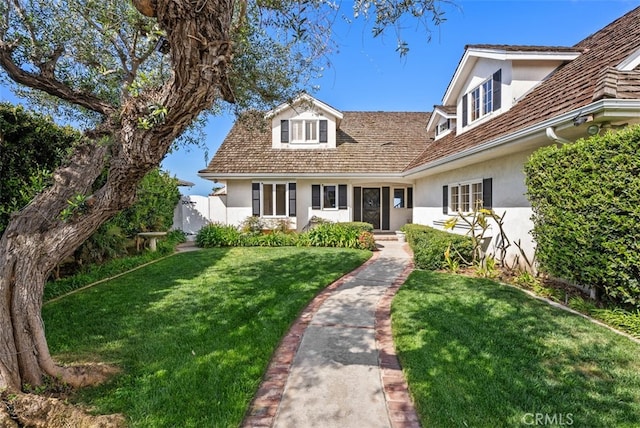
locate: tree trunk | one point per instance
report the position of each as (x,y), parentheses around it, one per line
(39,237)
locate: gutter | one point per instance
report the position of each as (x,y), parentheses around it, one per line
(551,134)
(599,106)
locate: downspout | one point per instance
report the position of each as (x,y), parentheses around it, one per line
(551,134)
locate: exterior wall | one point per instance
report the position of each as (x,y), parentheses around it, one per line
(509,196)
(235,207)
(528,74)
(238,201)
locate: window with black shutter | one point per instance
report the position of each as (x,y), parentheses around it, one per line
(445,199)
(497,90)
(487,193)
(465,110)
(255,199)
(409,197)
(342,197)
(324,134)
(357,203)
(315,197)
(292,199)
(284,131)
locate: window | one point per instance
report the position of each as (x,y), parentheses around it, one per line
(467,197)
(303,131)
(483,99)
(329,201)
(274,199)
(443,127)
(398,198)
(329,197)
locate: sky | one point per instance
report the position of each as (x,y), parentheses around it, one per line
(367,74)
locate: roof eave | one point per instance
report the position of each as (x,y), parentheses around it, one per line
(566,119)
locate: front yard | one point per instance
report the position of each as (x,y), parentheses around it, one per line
(480,354)
(192,333)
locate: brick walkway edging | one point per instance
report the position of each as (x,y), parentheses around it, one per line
(402,412)
(264,406)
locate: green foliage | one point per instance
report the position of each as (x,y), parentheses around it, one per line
(430,245)
(586,210)
(157,196)
(218,235)
(341,235)
(96,272)
(31,146)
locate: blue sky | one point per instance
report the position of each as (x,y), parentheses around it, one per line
(368,75)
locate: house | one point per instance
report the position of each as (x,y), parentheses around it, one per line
(502,103)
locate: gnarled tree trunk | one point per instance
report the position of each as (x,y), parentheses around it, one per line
(38,237)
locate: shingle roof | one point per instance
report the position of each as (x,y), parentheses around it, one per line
(574,85)
(367,143)
(525,48)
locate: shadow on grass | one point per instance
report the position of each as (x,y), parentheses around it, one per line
(477,353)
(193,333)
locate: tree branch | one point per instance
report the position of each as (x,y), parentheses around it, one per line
(46,82)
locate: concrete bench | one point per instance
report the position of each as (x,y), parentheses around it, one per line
(152,237)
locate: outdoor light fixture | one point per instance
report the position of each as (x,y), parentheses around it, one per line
(593,129)
(162,45)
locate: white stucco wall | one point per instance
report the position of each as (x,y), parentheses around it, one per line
(238,201)
(508,197)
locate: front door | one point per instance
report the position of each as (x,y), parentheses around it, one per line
(371,206)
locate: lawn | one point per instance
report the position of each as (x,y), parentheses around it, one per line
(480,354)
(192,333)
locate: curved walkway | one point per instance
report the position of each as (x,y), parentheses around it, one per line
(337,365)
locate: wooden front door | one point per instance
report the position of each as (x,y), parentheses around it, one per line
(371,206)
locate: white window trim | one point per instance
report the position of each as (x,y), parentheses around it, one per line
(273,195)
(322,207)
(481,102)
(304,127)
(472,201)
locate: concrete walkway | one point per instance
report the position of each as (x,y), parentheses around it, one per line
(337,365)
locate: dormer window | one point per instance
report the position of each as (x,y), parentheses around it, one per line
(303,131)
(482,100)
(443,127)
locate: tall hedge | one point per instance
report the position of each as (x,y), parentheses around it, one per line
(585,198)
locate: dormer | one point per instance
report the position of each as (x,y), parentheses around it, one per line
(490,79)
(442,121)
(305,123)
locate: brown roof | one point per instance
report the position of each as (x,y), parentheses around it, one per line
(576,84)
(526,48)
(451,109)
(367,142)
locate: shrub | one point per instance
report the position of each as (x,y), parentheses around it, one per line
(585,199)
(342,235)
(429,246)
(218,235)
(273,239)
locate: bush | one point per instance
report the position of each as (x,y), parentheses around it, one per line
(429,246)
(218,235)
(341,235)
(586,210)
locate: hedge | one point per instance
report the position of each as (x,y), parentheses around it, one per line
(586,212)
(429,245)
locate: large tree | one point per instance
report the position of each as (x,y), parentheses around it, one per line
(136,78)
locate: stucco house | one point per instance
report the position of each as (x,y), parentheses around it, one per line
(390,168)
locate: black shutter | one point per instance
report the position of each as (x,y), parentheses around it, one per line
(315,196)
(497,90)
(487,193)
(445,199)
(292,199)
(409,197)
(284,131)
(255,199)
(323,131)
(386,207)
(357,204)
(464,110)
(342,196)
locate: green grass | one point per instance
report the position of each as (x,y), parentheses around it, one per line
(193,333)
(480,354)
